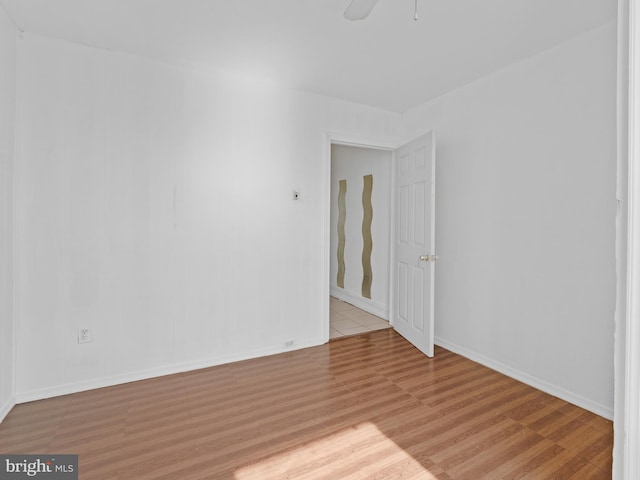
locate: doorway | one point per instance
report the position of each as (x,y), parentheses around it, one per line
(410,234)
(360,226)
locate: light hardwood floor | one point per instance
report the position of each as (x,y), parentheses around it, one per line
(364,407)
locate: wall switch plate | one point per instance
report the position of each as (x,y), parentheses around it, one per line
(84,335)
(296,195)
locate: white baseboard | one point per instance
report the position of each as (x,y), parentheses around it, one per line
(365,304)
(66,389)
(6,408)
(535,382)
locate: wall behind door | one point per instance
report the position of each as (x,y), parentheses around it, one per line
(352,164)
(525,213)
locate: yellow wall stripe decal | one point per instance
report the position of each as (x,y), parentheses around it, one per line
(367,241)
(342,217)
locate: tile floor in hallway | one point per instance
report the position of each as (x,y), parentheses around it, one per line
(349,320)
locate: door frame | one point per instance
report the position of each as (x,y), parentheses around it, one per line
(626,463)
(362,142)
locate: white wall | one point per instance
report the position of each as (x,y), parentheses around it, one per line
(351,164)
(526,210)
(155,207)
(7,135)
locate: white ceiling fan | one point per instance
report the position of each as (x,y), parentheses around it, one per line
(360,9)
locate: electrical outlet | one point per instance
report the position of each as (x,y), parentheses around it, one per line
(289,344)
(84,335)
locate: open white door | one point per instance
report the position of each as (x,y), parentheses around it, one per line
(414,242)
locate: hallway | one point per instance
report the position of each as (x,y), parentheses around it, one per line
(349,320)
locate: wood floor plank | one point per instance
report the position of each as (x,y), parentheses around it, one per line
(364,407)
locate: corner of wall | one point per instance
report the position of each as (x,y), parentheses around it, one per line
(8,98)
(6,408)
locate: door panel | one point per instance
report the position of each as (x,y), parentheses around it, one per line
(419,229)
(403,214)
(415,239)
(418,289)
(403,289)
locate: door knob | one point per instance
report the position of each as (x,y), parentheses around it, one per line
(424,258)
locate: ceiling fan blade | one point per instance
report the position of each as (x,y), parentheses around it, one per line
(359,9)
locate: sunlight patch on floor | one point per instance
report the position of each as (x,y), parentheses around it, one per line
(361,451)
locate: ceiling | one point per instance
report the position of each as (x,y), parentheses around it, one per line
(388,61)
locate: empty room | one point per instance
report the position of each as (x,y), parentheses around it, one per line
(270,239)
